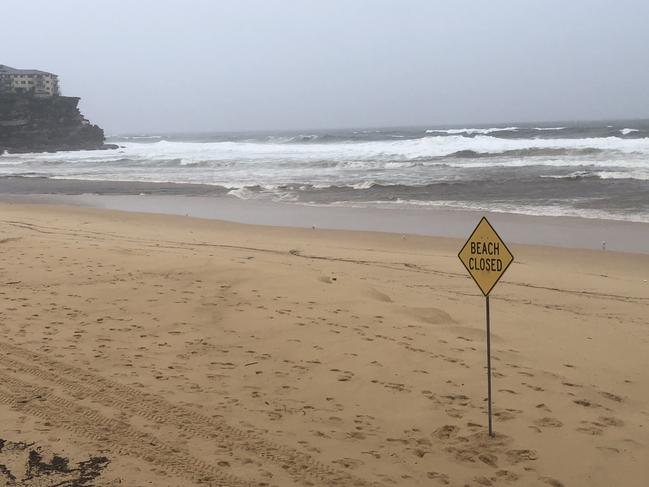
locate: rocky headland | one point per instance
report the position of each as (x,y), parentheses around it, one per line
(46,124)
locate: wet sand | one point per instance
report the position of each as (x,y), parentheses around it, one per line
(199,352)
(213,202)
(570,232)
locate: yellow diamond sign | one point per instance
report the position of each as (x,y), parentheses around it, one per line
(485,256)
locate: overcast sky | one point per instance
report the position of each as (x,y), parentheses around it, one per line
(172,65)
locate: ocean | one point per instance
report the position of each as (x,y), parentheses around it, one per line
(592,170)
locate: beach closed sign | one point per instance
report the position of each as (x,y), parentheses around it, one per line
(485,256)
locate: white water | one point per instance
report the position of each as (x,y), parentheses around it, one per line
(258,169)
(234,164)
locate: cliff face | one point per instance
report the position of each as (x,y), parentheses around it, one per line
(31,124)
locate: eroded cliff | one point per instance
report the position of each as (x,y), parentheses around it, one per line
(32,124)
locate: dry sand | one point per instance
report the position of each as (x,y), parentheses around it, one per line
(170,351)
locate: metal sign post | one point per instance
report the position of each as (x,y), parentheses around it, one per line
(486,257)
(491,430)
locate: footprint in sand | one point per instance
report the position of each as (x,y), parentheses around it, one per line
(441,478)
(319,434)
(548,422)
(590,429)
(489,459)
(395,386)
(348,462)
(483,481)
(552,482)
(508,391)
(373,453)
(586,403)
(356,435)
(457,399)
(446,432)
(344,375)
(597,428)
(507,414)
(610,396)
(517,456)
(611,421)
(505,475)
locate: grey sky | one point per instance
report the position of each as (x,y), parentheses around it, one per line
(163,65)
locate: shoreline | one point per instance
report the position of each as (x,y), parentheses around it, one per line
(208,203)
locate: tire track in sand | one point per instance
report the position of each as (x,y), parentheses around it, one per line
(119,436)
(300,466)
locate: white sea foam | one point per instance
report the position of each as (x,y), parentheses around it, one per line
(413,161)
(572,175)
(370,151)
(640,174)
(483,131)
(243,193)
(559,210)
(627,131)
(363,185)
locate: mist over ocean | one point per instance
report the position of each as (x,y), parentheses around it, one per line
(594,170)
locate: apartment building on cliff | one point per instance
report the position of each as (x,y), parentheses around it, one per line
(40,83)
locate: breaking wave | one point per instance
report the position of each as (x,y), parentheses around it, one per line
(596,164)
(483,131)
(397,150)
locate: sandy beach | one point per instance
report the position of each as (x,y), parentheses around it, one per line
(142,349)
